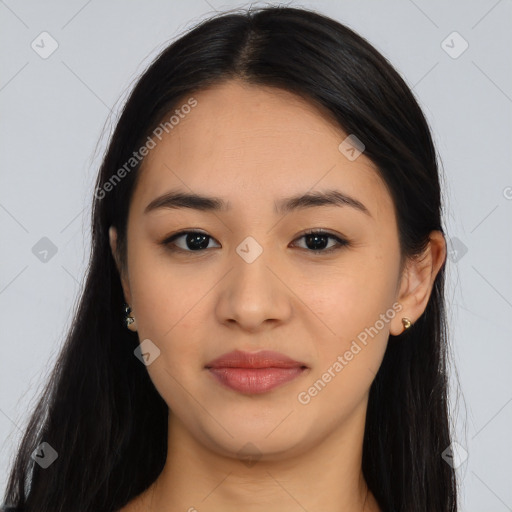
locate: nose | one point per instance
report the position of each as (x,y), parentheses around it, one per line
(252,297)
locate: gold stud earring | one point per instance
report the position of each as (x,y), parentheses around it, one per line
(406,323)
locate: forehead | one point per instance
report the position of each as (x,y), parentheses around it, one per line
(251,144)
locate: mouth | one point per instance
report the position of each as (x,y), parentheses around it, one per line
(254,373)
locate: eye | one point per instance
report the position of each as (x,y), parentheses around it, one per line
(193,241)
(316,241)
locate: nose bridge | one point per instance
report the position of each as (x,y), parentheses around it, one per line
(251,294)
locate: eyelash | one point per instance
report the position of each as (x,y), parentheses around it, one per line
(341,242)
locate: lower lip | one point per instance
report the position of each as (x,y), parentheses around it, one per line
(255,380)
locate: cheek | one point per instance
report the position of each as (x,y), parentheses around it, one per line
(171,317)
(354,296)
(356,304)
(359,310)
(169,309)
(163,292)
(168,302)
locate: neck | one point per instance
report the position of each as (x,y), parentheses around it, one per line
(326,477)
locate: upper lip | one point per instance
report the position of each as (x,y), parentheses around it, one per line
(262,359)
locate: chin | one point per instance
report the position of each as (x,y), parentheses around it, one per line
(266,439)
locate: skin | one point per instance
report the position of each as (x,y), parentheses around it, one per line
(251,146)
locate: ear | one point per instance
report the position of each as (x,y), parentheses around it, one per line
(112,235)
(418,280)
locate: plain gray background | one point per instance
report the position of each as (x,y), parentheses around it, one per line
(57,113)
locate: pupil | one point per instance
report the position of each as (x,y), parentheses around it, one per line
(195,237)
(315,239)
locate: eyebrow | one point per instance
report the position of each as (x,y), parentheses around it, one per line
(177,199)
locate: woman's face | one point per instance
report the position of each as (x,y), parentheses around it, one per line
(254,281)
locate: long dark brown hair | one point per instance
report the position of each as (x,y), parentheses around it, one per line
(100,410)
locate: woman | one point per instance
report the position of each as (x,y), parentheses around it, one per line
(262,326)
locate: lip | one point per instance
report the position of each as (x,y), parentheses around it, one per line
(254,372)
